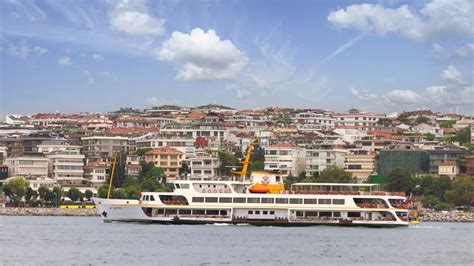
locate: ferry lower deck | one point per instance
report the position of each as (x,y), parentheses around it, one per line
(283,216)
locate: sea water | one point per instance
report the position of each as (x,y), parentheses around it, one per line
(87,240)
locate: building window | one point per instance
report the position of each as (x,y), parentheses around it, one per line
(198,199)
(296,201)
(324,201)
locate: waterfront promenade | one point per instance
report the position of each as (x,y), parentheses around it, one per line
(8,211)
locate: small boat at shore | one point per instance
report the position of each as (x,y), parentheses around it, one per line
(262,200)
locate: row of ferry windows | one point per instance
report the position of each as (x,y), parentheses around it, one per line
(269,200)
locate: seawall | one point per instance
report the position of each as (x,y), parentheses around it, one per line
(9,211)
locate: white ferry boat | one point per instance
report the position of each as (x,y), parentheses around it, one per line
(262,200)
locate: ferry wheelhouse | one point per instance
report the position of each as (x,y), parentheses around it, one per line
(262,200)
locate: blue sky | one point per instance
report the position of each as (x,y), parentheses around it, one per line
(381,56)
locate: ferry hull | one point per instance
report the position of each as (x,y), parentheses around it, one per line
(114,210)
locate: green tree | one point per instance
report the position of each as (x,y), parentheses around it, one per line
(227,161)
(18,187)
(290,180)
(333,174)
(42,190)
(50,197)
(442,206)
(430,201)
(88,194)
(74,194)
(7,191)
(429,136)
(421,119)
(447,124)
(102,191)
(462,191)
(30,194)
(400,180)
(184,169)
(463,135)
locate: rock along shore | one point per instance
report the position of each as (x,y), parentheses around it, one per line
(9,211)
(446,216)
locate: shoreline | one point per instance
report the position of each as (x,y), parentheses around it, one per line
(27,211)
(429,216)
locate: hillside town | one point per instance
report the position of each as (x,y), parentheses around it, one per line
(78,150)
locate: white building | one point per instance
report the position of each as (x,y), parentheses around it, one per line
(182,143)
(97,173)
(103,147)
(308,121)
(27,166)
(66,166)
(320,157)
(203,166)
(287,158)
(350,135)
(196,130)
(357,120)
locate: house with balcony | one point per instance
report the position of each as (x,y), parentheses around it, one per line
(28,165)
(97,148)
(204,165)
(360,164)
(320,157)
(66,166)
(286,158)
(167,158)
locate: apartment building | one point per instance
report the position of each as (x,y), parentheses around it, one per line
(167,158)
(320,157)
(182,143)
(28,165)
(103,147)
(66,166)
(360,164)
(357,120)
(204,166)
(443,154)
(449,169)
(313,121)
(289,159)
(97,173)
(196,130)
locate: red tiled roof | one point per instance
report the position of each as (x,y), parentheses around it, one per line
(164,150)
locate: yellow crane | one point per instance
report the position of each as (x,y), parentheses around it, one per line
(245,163)
(112,176)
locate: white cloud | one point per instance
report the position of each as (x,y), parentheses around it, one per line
(65,61)
(402,97)
(22,50)
(466,51)
(239,92)
(202,55)
(436,20)
(437,50)
(133,18)
(364,95)
(451,74)
(449,96)
(39,50)
(88,76)
(97,57)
